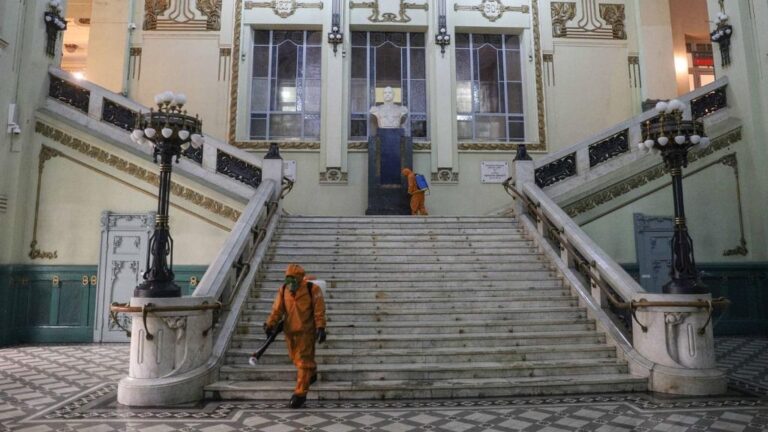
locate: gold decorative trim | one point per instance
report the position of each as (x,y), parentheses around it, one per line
(357,145)
(235,77)
(492,10)
(211,10)
(541,147)
(285,145)
(197,198)
(46,154)
(490,146)
(657,171)
(740,250)
(153,9)
(283,8)
(549,69)
(635,76)
(224,62)
(422,146)
(378,17)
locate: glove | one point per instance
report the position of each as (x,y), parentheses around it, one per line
(267,330)
(320,335)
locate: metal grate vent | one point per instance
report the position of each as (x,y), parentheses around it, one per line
(3,203)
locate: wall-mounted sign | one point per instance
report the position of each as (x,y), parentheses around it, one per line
(289,169)
(494,171)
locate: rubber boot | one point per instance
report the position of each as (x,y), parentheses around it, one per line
(297,401)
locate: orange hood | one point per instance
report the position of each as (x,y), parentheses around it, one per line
(406,172)
(296,271)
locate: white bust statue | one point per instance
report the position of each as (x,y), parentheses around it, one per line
(389,115)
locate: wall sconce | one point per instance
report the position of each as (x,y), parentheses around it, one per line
(335,36)
(54,23)
(442,37)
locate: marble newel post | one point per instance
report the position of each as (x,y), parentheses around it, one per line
(679,341)
(388,153)
(171,345)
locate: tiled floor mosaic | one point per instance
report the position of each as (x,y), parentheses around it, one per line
(72,388)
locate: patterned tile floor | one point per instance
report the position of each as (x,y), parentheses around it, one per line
(72,388)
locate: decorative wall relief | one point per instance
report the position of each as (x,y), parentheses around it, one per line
(225,55)
(549,69)
(134,63)
(595,20)
(334,175)
(377,16)
(283,8)
(182,15)
(46,154)
(492,10)
(635,78)
(445,175)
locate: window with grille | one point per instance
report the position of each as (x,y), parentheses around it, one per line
(489,88)
(285,86)
(388,59)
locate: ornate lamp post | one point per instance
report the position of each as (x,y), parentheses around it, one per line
(169,131)
(674,137)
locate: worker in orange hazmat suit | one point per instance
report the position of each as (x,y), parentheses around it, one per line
(417,196)
(302,306)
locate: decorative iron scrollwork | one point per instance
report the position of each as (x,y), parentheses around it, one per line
(118,115)
(709,103)
(70,94)
(609,148)
(195,154)
(238,169)
(556,171)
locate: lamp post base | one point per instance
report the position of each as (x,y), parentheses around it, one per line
(684,286)
(157,289)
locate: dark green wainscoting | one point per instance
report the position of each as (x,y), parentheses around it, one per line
(745,285)
(43,304)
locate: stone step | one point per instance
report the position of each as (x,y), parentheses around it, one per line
(429,341)
(448,226)
(420,239)
(420,389)
(533,282)
(461,305)
(528,273)
(239,357)
(420,267)
(282,260)
(403,245)
(414,250)
(396,231)
(417,327)
(408,220)
(411,294)
(438,315)
(428,371)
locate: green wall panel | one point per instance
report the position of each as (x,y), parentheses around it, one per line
(37,310)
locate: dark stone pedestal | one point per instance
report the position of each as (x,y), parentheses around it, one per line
(388,153)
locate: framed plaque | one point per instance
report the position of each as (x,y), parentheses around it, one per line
(494,171)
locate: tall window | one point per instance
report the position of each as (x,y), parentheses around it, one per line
(285,90)
(381,60)
(489,88)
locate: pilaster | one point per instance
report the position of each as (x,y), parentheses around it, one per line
(441,73)
(334,131)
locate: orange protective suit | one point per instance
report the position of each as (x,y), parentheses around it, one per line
(417,196)
(303,315)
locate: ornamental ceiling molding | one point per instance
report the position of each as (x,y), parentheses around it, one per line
(492,10)
(182,15)
(283,8)
(388,17)
(216,207)
(595,20)
(644,177)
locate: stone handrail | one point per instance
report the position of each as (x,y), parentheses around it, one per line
(565,169)
(602,265)
(115,114)
(651,331)
(227,282)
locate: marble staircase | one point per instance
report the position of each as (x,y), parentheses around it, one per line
(425,308)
